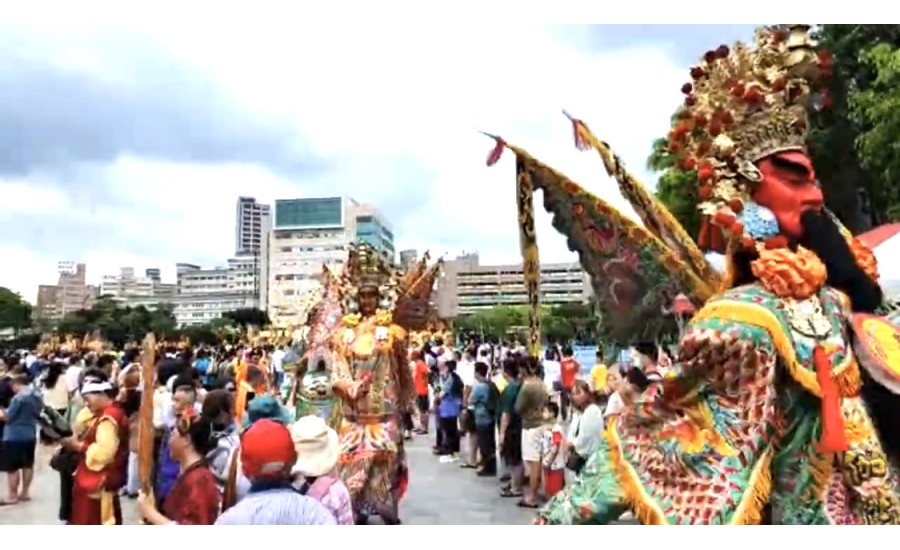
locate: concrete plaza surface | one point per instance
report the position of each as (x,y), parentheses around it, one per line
(438,493)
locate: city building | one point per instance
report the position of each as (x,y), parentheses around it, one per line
(250,225)
(131,290)
(204,294)
(408,258)
(309,233)
(71,292)
(466,286)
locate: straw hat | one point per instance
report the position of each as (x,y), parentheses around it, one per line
(317,446)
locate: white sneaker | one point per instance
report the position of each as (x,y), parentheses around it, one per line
(447,459)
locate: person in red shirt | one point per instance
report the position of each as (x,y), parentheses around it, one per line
(568,370)
(420,378)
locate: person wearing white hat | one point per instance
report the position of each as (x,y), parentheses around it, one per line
(318,449)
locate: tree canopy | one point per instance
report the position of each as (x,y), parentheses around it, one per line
(853,142)
(120,325)
(564,322)
(15,312)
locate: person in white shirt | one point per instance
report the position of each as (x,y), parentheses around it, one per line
(278,364)
(614,404)
(586,428)
(465,368)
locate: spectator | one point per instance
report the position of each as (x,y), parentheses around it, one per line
(568,371)
(19,438)
(485,400)
(511,431)
(586,429)
(530,405)
(553,454)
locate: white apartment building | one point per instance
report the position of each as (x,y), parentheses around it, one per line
(205,294)
(309,233)
(129,289)
(466,286)
(250,225)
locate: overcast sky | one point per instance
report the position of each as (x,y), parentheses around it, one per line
(130,148)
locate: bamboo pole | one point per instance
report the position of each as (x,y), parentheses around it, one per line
(145,416)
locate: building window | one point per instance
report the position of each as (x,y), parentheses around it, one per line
(308,212)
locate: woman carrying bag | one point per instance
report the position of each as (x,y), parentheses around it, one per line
(586,429)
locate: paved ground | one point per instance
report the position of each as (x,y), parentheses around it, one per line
(438,494)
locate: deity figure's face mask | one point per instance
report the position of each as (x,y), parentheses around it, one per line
(368,299)
(788,188)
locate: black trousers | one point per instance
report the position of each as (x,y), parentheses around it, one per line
(66,484)
(449,436)
(487,447)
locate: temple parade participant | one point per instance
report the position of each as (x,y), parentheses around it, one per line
(102,469)
(194,498)
(372,379)
(765,416)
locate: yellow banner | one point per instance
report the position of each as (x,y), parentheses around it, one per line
(531,262)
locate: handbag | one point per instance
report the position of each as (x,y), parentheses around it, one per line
(574,461)
(65,461)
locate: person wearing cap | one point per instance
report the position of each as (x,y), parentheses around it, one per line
(318,449)
(102,467)
(267,455)
(265,407)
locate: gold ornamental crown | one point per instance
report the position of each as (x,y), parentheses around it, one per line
(743,104)
(366,267)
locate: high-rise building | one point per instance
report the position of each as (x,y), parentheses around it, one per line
(466,286)
(408,258)
(249,225)
(71,292)
(309,233)
(153,273)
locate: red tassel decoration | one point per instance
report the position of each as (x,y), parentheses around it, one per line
(577,125)
(580,142)
(833,439)
(717,239)
(496,152)
(703,238)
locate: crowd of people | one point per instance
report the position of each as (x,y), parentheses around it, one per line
(518,425)
(265,468)
(273,464)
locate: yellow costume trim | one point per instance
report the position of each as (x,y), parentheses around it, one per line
(645,509)
(648,512)
(759,488)
(107,508)
(846,375)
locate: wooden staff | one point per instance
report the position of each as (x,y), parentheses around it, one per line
(145,416)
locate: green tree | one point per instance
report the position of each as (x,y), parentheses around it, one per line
(248,317)
(876,110)
(843,163)
(675,188)
(15,313)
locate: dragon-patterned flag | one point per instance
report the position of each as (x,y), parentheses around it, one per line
(531,263)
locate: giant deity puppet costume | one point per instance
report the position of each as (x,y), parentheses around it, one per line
(784,379)
(371,376)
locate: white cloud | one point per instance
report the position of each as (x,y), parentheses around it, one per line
(378,98)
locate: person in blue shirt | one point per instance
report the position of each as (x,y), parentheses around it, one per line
(448,411)
(20,438)
(486,399)
(202,366)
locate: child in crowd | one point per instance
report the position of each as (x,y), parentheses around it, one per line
(552,453)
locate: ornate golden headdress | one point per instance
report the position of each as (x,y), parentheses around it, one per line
(365,266)
(742,105)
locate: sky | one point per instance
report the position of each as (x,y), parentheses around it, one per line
(130,146)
